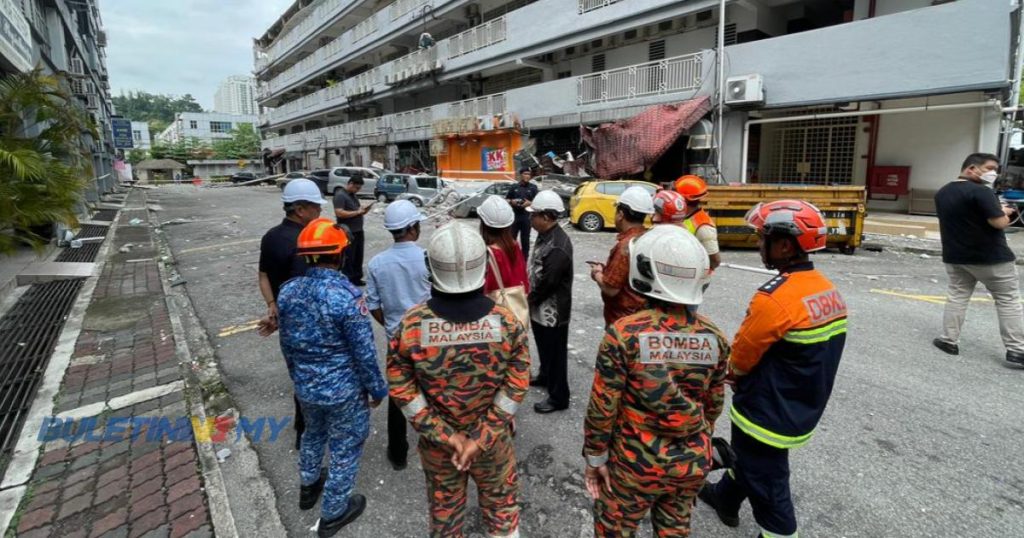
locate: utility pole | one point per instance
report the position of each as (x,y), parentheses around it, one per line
(719,122)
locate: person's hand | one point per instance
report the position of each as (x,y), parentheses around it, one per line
(457,442)
(470,451)
(375,403)
(595,478)
(595,270)
(266,327)
(1009,211)
(527,203)
(272,312)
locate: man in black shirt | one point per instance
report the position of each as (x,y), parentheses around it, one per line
(278,262)
(974,249)
(350,214)
(520,197)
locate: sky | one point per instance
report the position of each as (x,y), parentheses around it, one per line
(182,46)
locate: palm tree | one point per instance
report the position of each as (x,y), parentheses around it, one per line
(43,158)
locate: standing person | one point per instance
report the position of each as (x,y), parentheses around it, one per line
(397,281)
(520,197)
(659,386)
(784,359)
(550,300)
(631,210)
(328,342)
(496,220)
(350,214)
(459,367)
(974,250)
(279,261)
(697,221)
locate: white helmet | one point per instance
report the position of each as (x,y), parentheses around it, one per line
(668,263)
(547,201)
(400,215)
(302,190)
(496,212)
(638,199)
(458,259)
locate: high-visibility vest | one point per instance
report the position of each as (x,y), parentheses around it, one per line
(698,220)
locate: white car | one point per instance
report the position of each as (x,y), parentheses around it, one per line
(338,178)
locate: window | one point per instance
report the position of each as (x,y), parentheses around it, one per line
(564,74)
(193,124)
(597,62)
(341,172)
(612,188)
(630,34)
(137,136)
(220,127)
(656,50)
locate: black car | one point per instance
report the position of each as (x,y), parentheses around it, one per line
(320,177)
(242,177)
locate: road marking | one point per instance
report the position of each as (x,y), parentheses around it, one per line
(219,245)
(934,299)
(240,328)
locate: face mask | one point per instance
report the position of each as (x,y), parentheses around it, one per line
(989,177)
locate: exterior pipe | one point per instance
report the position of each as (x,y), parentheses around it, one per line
(878,112)
(720,60)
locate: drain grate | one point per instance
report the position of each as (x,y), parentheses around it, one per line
(92,230)
(105,215)
(87,253)
(28,333)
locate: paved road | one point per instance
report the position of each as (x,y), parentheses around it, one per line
(914,443)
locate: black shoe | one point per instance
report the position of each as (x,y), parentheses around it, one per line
(356,505)
(946,347)
(538,382)
(1015,358)
(308,495)
(360,283)
(707,496)
(398,463)
(547,406)
(722,455)
(298,440)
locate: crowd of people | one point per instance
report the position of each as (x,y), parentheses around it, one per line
(459,316)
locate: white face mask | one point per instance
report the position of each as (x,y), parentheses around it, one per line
(989,177)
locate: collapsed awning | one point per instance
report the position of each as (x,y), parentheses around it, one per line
(631,146)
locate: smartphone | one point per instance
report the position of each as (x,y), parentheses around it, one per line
(593,263)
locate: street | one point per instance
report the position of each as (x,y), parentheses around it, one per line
(914,443)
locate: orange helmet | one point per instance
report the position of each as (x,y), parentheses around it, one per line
(795,218)
(669,206)
(692,187)
(322,236)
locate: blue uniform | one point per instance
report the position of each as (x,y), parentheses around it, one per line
(327,342)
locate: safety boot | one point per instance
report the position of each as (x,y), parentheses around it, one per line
(708,496)
(356,505)
(308,495)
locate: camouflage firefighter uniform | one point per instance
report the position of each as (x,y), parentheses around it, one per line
(327,342)
(466,378)
(658,389)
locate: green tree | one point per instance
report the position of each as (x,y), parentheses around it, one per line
(135,156)
(43,157)
(243,144)
(158,108)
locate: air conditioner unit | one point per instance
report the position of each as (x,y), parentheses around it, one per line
(700,136)
(77,86)
(77,67)
(744,90)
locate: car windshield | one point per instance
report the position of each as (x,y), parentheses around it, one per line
(426,182)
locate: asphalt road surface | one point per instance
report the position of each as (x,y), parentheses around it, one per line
(914,443)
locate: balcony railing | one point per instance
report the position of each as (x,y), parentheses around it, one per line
(323,12)
(590,5)
(481,106)
(671,75)
(412,65)
(365,28)
(413,119)
(476,38)
(401,7)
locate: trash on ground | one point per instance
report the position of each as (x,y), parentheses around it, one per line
(223,454)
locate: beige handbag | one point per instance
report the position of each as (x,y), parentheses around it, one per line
(513,298)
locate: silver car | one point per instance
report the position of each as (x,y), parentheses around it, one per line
(339,175)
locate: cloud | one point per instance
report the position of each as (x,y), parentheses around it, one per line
(183,46)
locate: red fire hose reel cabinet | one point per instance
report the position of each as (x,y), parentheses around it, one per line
(891,180)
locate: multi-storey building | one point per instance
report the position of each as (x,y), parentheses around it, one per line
(203,126)
(140,136)
(67,38)
(816,91)
(236,95)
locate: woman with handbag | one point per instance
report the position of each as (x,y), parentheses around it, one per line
(506,282)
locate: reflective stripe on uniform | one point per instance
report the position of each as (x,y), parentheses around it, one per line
(817,335)
(769,534)
(767,437)
(506,404)
(597,460)
(413,408)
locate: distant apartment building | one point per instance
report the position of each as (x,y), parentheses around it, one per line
(203,126)
(816,91)
(140,135)
(67,38)
(236,95)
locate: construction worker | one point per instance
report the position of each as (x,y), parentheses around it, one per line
(397,280)
(784,359)
(697,221)
(659,386)
(278,261)
(458,367)
(631,211)
(328,342)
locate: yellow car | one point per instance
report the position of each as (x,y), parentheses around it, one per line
(592,206)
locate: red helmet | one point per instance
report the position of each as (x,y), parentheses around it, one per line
(321,236)
(691,187)
(795,218)
(669,206)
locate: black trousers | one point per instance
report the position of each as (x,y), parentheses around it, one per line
(553,348)
(761,474)
(398,444)
(352,267)
(300,421)
(521,227)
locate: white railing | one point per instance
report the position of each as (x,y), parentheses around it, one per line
(677,74)
(417,63)
(413,119)
(401,7)
(481,106)
(477,37)
(320,14)
(590,5)
(365,28)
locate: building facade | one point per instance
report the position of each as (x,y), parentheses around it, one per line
(817,92)
(203,126)
(236,95)
(140,135)
(66,38)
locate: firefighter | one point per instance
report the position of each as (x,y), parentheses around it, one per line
(658,388)
(697,221)
(784,360)
(458,367)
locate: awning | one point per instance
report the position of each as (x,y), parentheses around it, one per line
(633,145)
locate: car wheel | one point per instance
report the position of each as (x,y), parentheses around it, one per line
(416,202)
(591,222)
(382,198)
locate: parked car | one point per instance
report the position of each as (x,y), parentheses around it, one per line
(338,178)
(282,181)
(592,205)
(321,178)
(242,177)
(390,186)
(475,192)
